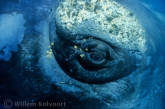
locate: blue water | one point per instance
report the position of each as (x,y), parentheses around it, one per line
(158,5)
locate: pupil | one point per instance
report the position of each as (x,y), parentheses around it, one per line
(96,56)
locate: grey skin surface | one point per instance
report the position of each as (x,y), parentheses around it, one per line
(102,60)
(36,74)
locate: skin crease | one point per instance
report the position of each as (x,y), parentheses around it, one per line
(113,67)
(34,73)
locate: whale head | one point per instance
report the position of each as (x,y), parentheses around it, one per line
(86,53)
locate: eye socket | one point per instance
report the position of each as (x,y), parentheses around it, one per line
(96,56)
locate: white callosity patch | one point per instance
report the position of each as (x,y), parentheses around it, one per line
(11,33)
(114,18)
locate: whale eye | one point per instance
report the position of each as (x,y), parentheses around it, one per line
(92,61)
(96,56)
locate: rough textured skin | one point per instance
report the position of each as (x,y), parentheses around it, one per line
(41,68)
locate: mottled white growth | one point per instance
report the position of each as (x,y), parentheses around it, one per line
(11,33)
(118,21)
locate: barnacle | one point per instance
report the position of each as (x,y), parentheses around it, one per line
(121,24)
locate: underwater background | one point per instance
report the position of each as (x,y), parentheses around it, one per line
(158,5)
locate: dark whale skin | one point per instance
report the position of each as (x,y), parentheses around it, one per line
(32,77)
(113,67)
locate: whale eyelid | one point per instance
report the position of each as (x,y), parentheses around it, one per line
(104,53)
(107,41)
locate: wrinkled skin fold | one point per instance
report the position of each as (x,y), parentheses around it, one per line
(84,70)
(93,61)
